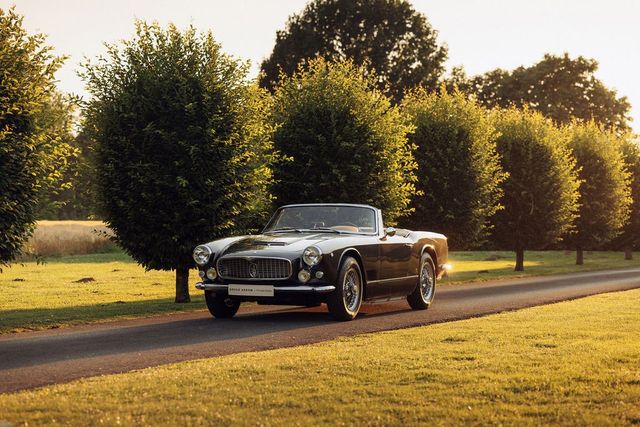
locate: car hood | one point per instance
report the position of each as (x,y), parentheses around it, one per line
(277,244)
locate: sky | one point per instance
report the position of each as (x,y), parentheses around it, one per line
(481,34)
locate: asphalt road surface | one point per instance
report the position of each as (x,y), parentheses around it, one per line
(34,359)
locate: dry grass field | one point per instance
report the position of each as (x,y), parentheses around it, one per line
(60,238)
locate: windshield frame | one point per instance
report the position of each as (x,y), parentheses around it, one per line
(371,233)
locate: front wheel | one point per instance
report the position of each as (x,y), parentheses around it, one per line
(221,306)
(422,297)
(344,303)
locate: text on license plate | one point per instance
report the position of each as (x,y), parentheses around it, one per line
(251,290)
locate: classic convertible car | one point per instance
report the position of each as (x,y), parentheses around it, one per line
(338,254)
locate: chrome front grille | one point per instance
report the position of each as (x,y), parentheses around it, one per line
(254,268)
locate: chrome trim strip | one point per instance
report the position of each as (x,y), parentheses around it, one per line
(395,278)
(250,258)
(302,288)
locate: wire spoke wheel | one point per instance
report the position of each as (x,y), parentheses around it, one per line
(425,290)
(352,290)
(427,282)
(344,302)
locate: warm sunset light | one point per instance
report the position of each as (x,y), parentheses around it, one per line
(481,35)
(319,213)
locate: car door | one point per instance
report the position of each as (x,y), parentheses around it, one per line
(395,255)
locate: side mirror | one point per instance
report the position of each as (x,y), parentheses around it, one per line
(389,231)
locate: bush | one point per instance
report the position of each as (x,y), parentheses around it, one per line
(31,152)
(541,192)
(459,171)
(182,148)
(343,139)
(605,196)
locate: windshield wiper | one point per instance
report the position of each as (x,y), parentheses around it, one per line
(332,230)
(284,229)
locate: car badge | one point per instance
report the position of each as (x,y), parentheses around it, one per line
(253,270)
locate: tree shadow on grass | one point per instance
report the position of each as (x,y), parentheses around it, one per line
(49,318)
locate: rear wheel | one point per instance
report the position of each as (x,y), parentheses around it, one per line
(344,303)
(422,296)
(221,306)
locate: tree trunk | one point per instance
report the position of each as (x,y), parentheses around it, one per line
(519,260)
(628,253)
(182,285)
(579,256)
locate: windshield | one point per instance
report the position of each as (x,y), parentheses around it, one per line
(350,219)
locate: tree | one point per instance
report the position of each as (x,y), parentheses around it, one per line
(76,199)
(181,145)
(605,197)
(389,36)
(31,154)
(560,87)
(541,192)
(62,201)
(343,139)
(459,171)
(629,239)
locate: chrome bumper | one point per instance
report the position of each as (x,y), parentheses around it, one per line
(302,288)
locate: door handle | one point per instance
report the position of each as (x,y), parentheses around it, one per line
(408,244)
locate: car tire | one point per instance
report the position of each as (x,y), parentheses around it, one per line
(345,301)
(422,296)
(221,306)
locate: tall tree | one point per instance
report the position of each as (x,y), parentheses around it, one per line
(560,87)
(630,237)
(541,192)
(182,148)
(605,196)
(389,36)
(459,171)
(343,139)
(31,153)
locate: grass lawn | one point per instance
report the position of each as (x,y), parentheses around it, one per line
(85,288)
(572,363)
(476,266)
(40,296)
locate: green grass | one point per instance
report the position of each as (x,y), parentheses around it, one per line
(40,296)
(479,266)
(37,296)
(572,363)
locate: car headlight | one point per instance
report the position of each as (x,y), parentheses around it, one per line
(312,256)
(201,254)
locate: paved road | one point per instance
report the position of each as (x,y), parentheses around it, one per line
(35,359)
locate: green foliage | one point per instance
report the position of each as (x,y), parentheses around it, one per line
(459,171)
(344,141)
(560,87)
(32,154)
(389,36)
(630,237)
(76,200)
(605,197)
(541,191)
(73,197)
(181,145)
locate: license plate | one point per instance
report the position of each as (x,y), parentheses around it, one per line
(251,290)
